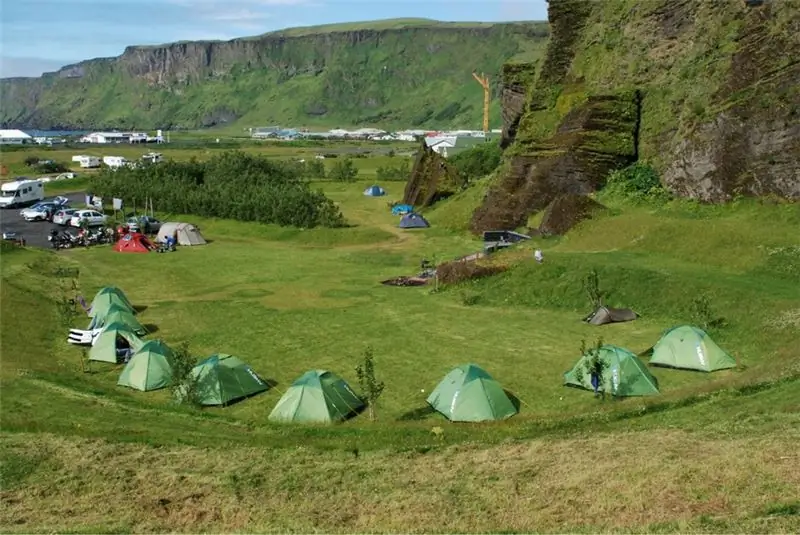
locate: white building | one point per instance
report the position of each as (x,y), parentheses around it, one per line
(14,137)
(115,137)
(153,157)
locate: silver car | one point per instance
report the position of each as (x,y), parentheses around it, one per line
(62,216)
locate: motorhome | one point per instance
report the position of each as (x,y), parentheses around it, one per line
(21,193)
(114,161)
(87,162)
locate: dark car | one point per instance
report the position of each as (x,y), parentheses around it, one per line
(143,223)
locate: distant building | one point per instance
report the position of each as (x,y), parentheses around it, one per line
(450,145)
(115,137)
(14,137)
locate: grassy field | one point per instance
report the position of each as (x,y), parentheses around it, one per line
(714,452)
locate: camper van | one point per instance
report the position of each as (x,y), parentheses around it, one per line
(21,193)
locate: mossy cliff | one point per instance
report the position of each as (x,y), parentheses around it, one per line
(431,180)
(714,88)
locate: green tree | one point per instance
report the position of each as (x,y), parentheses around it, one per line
(371,388)
(477,162)
(344,170)
(594,365)
(184,383)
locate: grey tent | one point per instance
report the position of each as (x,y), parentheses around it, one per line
(604,315)
(413,220)
(184,234)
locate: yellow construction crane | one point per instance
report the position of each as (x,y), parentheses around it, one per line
(484,81)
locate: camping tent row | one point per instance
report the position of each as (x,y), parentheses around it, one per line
(183,234)
(683,347)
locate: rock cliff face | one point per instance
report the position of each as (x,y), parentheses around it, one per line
(716,105)
(392,74)
(431,180)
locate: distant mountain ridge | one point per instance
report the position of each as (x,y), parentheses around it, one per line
(392,73)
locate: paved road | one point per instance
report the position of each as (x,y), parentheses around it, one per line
(34,232)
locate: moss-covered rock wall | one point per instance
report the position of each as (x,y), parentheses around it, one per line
(432,179)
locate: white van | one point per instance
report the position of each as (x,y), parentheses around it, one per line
(21,193)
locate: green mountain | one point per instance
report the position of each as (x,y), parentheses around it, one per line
(400,72)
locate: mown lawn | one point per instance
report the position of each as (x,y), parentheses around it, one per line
(713,452)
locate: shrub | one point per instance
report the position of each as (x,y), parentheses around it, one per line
(31,161)
(477,162)
(371,388)
(51,167)
(399,172)
(344,171)
(636,182)
(232,185)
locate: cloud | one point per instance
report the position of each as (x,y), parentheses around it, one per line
(14,66)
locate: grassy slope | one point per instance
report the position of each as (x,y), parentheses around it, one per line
(289,300)
(407,75)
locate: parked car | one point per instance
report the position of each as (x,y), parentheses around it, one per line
(63,215)
(94,217)
(143,223)
(42,211)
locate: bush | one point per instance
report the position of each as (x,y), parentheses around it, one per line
(344,171)
(232,185)
(636,182)
(477,162)
(399,172)
(51,167)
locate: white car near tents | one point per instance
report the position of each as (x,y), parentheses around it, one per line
(184,234)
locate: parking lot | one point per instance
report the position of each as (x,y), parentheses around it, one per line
(35,233)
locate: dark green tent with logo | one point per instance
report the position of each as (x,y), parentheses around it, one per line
(318,396)
(624,374)
(469,394)
(690,348)
(110,295)
(113,338)
(150,368)
(221,379)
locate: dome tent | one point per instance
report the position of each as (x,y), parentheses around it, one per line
(107,297)
(318,396)
(689,348)
(150,368)
(114,337)
(624,374)
(221,379)
(184,234)
(375,191)
(413,220)
(469,394)
(118,314)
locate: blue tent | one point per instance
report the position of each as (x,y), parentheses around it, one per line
(413,220)
(374,191)
(402,209)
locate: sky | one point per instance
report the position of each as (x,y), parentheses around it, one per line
(43,35)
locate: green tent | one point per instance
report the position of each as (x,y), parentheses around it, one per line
(118,314)
(624,375)
(113,336)
(690,348)
(105,298)
(222,378)
(469,394)
(150,368)
(117,291)
(318,396)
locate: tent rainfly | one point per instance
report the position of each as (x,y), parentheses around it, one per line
(221,379)
(134,242)
(184,234)
(413,220)
(114,338)
(624,374)
(318,396)
(150,368)
(402,209)
(118,292)
(105,299)
(469,394)
(118,314)
(374,191)
(690,348)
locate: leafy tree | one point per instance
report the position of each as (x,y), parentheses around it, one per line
(591,285)
(371,388)
(315,169)
(478,161)
(344,171)
(399,172)
(593,366)
(184,384)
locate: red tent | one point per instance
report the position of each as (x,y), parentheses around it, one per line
(134,242)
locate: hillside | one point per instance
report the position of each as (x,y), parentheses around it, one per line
(400,72)
(705,92)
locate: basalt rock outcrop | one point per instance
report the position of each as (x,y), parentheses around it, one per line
(713,103)
(432,179)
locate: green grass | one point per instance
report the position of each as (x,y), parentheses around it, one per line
(713,452)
